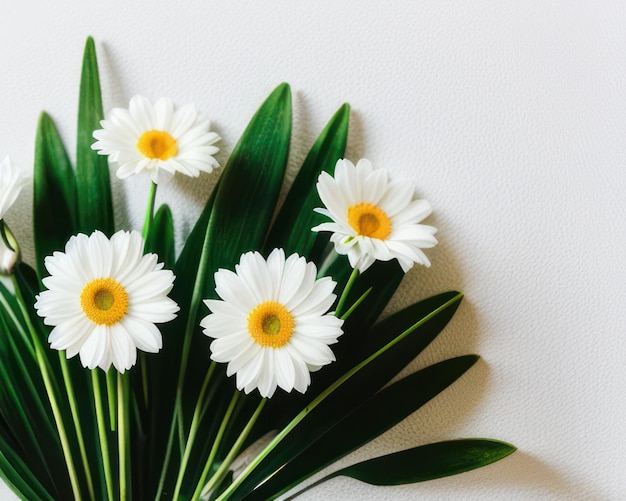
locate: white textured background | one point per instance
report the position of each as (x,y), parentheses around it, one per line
(511,119)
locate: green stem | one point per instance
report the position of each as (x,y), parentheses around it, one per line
(149,210)
(356,304)
(216,444)
(122,435)
(71,396)
(45,373)
(322,396)
(221,472)
(346,291)
(102,434)
(197,414)
(111,398)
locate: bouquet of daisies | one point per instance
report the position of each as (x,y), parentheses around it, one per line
(238,368)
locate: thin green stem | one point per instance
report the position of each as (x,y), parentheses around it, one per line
(50,389)
(356,304)
(149,210)
(168,453)
(102,434)
(71,396)
(197,414)
(111,398)
(221,472)
(346,291)
(322,396)
(123,436)
(216,444)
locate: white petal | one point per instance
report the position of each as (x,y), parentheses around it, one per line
(145,335)
(123,351)
(93,349)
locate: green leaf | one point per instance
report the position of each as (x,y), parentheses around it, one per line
(291,230)
(16,474)
(428,462)
(250,184)
(188,263)
(160,239)
(54,201)
(92,170)
(377,415)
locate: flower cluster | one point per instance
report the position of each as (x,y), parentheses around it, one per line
(272,324)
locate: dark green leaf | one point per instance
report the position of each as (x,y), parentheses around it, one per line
(54,202)
(291,230)
(428,462)
(18,477)
(92,170)
(377,415)
(250,184)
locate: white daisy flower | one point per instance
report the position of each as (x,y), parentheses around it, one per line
(157,138)
(272,325)
(374,218)
(11,183)
(103,299)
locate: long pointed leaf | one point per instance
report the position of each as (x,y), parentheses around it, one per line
(428,462)
(92,170)
(249,187)
(54,210)
(291,230)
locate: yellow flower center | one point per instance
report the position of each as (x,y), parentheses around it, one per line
(104,301)
(270,324)
(368,220)
(157,144)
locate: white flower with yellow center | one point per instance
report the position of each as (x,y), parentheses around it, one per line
(272,324)
(103,299)
(11,183)
(158,139)
(374,218)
